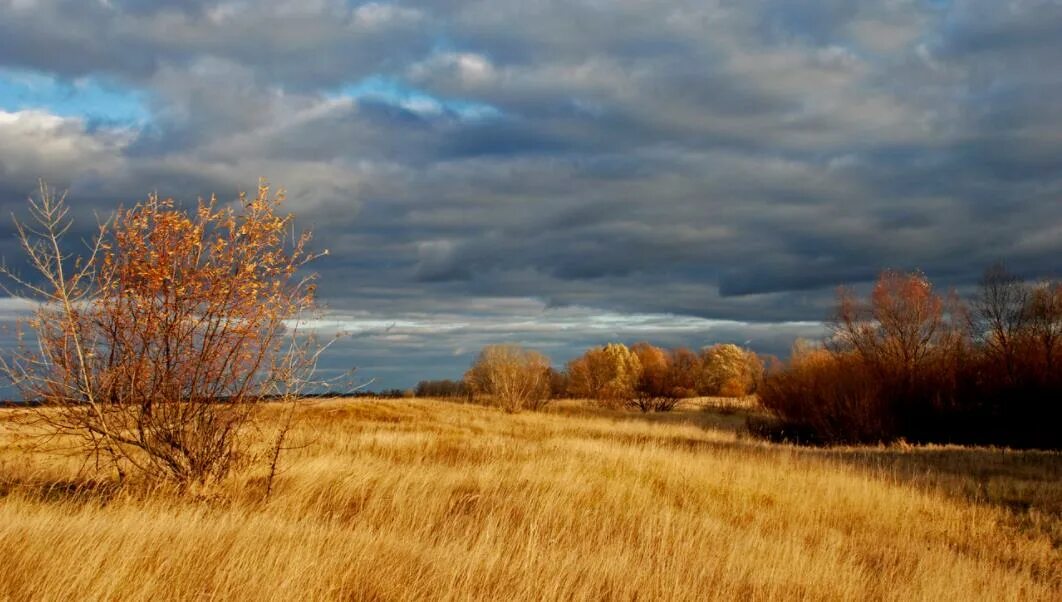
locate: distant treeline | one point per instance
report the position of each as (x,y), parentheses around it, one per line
(648,377)
(384,393)
(642,376)
(441,388)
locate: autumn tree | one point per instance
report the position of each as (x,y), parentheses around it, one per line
(900,327)
(889,368)
(666,377)
(608,374)
(685,370)
(654,390)
(581,376)
(729,371)
(155,348)
(825,395)
(512,377)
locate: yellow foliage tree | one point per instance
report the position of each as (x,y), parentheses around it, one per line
(607,374)
(729,371)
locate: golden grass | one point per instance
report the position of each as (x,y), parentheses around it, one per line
(412,499)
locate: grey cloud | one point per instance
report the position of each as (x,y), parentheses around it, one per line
(302,44)
(727,161)
(445,343)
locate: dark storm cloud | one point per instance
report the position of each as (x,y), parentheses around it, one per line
(300,43)
(709,160)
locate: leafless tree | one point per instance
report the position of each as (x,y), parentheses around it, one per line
(1044,319)
(513,377)
(1002,309)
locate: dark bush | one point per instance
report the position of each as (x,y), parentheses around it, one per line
(910,364)
(441,388)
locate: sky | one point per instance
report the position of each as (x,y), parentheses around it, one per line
(565,173)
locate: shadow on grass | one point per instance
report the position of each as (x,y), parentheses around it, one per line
(706,413)
(62,490)
(90,491)
(1027,483)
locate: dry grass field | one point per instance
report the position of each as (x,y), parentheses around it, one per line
(422,499)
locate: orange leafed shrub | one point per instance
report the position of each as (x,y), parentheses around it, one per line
(827,397)
(194,305)
(154,349)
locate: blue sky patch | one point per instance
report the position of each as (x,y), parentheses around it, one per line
(393,92)
(88,97)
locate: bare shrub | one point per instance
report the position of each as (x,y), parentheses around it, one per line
(1001,308)
(155,348)
(1044,326)
(512,377)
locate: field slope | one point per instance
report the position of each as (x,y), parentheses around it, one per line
(421,499)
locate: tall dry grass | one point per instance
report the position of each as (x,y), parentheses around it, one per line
(416,499)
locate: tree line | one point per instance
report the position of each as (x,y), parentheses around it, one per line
(908,362)
(643,377)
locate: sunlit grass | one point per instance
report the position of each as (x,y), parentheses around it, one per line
(413,499)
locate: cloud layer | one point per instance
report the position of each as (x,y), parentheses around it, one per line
(498,164)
